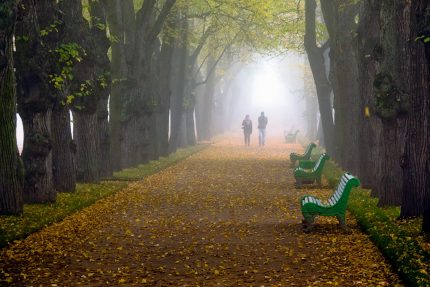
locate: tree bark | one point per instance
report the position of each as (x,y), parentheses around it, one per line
(164,92)
(11,169)
(63,166)
(322,84)
(121,21)
(340,21)
(424,30)
(178,86)
(415,161)
(87,162)
(390,92)
(369,126)
(90,85)
(205,120)
(35,63)
(102,44)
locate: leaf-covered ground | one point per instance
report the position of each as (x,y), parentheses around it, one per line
(227,216)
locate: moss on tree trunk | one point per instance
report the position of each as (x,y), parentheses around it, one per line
(10,165)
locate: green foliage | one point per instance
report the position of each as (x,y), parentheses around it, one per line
(399,241)
(68,54)
(53,28)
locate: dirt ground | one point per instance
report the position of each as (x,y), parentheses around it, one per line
(227,216)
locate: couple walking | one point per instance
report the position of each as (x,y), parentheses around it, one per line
(247,129)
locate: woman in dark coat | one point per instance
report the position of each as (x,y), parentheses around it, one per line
(247,129)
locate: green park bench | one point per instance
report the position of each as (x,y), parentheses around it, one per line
(309,176)
(291,137)
(335,205)
(306,156)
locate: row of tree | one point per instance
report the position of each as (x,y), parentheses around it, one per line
(378,54)
(129,71)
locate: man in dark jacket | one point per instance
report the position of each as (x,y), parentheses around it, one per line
(262,123)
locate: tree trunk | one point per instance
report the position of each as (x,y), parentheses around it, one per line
(344,80)
(86,150)
(89,86)
(164,92)
(424,30)
(190,127)
(205,121)
(102,44)
(390,92)
(121,21)
(105,163)
(37,156)
(323,87)
(415,161)
(63,167)
(11,169)
(178,87)
(369,126)
(35,61)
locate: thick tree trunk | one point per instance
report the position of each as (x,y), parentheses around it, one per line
(190,127)
(91,78)
(63,167)
(105,163)
(11,169)
(390,90)
(102,44)
(340,19)
(87,169)
(205,119)
(415,161)
(424,30)
(35,61)
(323,87)
(178,88)
(369,126)
(37,156)
(121,21)
(164,92)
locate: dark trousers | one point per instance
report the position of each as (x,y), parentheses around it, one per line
(247,138)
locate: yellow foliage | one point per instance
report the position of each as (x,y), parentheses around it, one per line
(181,227)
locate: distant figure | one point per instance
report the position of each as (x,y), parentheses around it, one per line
(247,129)
(262,123)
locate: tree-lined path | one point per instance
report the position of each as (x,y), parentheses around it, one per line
(227,216)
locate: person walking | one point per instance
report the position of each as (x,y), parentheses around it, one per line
(247,129)
(262,123)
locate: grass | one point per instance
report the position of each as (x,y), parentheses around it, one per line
(38,216)
(400,241)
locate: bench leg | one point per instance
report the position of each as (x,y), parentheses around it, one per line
(308,223)
(342,223)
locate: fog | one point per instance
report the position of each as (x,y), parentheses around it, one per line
(274,85)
